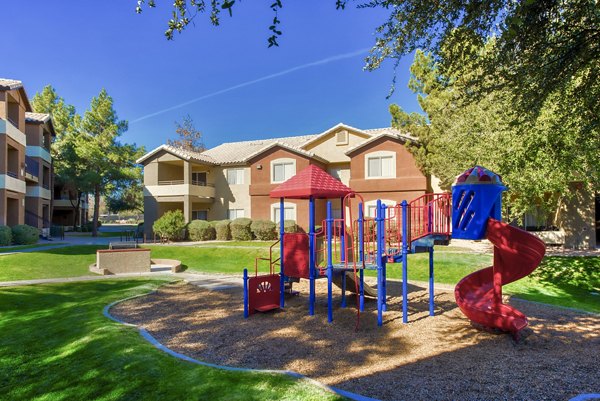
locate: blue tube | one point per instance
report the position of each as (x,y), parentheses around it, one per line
(311,255)
(404,262)
(362,290)
(380,245)
(329,265)
(281,234)
(431,289)
(246,311)
(383,262)
(361,256)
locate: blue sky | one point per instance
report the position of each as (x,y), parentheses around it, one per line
(244,90)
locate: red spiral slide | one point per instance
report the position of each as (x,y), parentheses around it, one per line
(479,295)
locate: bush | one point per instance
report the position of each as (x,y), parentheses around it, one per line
(25,235)
(264,230)
(289,226)
(171,226)
(5,236)
(222,229)
(240,229)
(201,230)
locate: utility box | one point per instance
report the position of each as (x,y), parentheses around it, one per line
(476,197)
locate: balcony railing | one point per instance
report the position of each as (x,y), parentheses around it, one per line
(182,182)
(11,174)
(32,166)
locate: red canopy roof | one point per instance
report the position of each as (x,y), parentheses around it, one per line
(312,181)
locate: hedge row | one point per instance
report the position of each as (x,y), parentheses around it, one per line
(21,234)
(171,226)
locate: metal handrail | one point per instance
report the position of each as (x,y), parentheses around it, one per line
(11,174)
(182,182)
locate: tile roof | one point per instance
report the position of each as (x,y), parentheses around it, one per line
(37,117)
(10,84)
(381,133)
(232,153)
(179,152)
(239,152)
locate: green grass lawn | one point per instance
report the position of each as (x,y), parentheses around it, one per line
(5,249)
(258,244)
(55,344)
(570,282)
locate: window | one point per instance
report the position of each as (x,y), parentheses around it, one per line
(199,179)
(233,214)
(371,207)
(289,211)
(282,170)
(380,165)
(199,215)
(235,176)
(341,138)
(336,172)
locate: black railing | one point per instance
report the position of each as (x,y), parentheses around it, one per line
(11,174)
(34,220)
(32,166)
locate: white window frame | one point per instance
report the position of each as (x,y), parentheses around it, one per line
(236,212)
(372,205)
(287,205)
(282,161)
(379,155)
(240,172)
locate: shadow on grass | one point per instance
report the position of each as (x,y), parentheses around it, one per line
(56,344)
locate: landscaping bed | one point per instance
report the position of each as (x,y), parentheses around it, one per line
(430,358)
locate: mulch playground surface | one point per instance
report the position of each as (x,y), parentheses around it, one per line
(441,357)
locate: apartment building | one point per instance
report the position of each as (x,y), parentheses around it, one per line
(234,179)
(38,170)
(69,209)
(25,161)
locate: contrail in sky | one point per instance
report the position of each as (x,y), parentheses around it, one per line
(254,81)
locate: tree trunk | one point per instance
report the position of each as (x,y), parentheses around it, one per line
(75,208)
(96,211)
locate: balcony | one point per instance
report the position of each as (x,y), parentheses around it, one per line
(32,169)
(180,188)
(9,128)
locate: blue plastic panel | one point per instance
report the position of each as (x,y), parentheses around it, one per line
(472,206)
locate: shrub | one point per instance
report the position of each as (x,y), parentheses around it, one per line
(264,230)
(222,229)
(289,226)
(5,236)
(170,226)
(24,235)
(201,230)
(240,229)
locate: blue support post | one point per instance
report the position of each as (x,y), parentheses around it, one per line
(246,311)
(329,265)
(380,245)
(311,255)
(344,289)
(431,289)
(404,262)
(281,234)
(383,261)
(361,255)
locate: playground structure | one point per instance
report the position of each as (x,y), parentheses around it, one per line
(345,247)
(476,214)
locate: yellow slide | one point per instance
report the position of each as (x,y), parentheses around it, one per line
(351,286)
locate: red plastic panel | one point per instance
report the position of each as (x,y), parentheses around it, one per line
(295,255)
(263,293)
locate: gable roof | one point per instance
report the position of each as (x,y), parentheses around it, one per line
(332,129)
(312,181)
(391,133)
(183,154)
(40,118)
(13,84)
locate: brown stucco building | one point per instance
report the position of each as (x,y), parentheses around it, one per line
(234,179)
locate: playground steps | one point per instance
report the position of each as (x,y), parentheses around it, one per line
(266,308)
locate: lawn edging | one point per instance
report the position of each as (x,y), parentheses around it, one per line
(157,344)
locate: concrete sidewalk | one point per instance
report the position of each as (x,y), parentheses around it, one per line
(208,281)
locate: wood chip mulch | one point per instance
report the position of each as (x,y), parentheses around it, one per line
(441,357)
